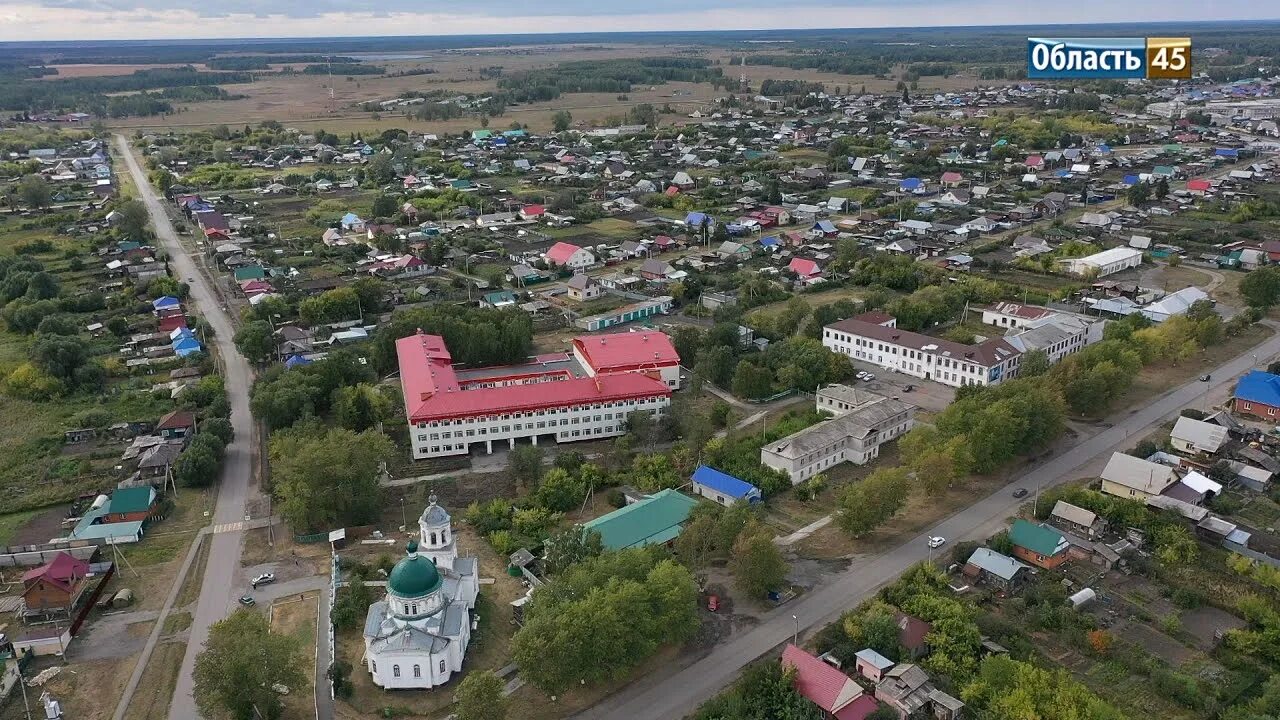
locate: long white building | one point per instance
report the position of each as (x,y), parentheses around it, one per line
(563,397)
(863,422)
(876,339)
(1107,262)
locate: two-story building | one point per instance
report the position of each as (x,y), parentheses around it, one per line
(864,421)
(950,363)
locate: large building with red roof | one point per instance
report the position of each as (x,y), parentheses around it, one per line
(586,394)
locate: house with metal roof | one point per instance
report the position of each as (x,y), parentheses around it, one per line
(1176,303)
(1039,545)
(1258,395)
(655,520)
(1129,477)
(1193,436)
(827,687)
(1075,519)
(723,488)
(987,565)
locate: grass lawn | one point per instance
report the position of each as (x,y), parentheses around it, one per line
(297,618)
(155,687)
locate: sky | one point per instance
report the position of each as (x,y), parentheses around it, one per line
(30,20)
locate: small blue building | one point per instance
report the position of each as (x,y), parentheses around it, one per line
(723,488)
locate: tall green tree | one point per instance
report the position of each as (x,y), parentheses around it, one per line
(327,478)
(35,192)
(480,697)
(757,563)
(1261,287)
(241,663)
(524,463)
(561,120)
(255,341)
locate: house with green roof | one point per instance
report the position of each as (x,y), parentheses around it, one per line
(1039,545)
(655,520)
(130,504)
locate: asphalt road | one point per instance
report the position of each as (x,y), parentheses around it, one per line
(219,589)
(674,694)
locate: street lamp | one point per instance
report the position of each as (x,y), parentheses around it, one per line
(404,521)
(795,637)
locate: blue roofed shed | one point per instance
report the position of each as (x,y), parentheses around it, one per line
(722,487)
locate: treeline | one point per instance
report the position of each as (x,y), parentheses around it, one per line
(832,62)
(92,94)
(262,62)
(790,87)
(474,336)
(343,69)
(606,76)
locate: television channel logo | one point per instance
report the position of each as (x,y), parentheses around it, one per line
(1118,58)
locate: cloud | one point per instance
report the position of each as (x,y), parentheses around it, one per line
(35,20)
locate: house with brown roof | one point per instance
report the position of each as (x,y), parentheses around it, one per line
(177,424)
(923,356)
(912,632)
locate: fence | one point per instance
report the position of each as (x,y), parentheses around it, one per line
(1251,554)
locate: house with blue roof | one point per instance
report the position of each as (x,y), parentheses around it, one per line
(1258,395)
(723,488)
(1130,180)
(352,222)
(770,243)
(694,220)
(911,184)
(1231,153)
(294,361)
(168,302)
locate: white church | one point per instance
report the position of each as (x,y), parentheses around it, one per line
(417,637)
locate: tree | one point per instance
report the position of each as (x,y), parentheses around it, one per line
(561,120)
(559,491)
(35,192)
(1162,188)
(197,466)
(255,341)
(327,478)
(525,464)
(385,206)
(864,506)
(241,664)
(1261,287)
(570,547)
(60,356)
(42,286)
(360,407)
(752,381)
(1034,363)
(380,169)
(757,564)
(480,697)
(1138,194)
(133,219)
(604,616)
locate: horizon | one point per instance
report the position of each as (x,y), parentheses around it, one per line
(36,22)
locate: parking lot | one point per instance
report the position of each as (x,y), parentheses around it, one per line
(925,394)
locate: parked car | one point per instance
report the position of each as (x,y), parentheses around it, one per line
(937,541)
(1020,493)
(1204,378)
(713,602)
(908,388)
(263,579)
(248,601)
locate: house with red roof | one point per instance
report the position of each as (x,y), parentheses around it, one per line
(807,270)
(586,395)
(255,287)
(568,255)
(56,585)
(828,688)
(172,322)
(532,212)
(1034,162)
(1199,186)
(951,178)
(405,266)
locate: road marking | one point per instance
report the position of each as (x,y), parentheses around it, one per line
(228,527)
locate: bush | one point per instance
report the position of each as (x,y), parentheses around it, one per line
(616,498)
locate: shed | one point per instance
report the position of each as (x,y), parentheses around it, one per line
(655,520)
(722,487)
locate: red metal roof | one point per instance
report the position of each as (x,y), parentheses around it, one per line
(822,684)
(1198,184)
(626,351)
(1026,312)
(63,571)
(803,267)
(431,389)
(561,252)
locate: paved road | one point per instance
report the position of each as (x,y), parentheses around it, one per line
(676,693)
(219,588)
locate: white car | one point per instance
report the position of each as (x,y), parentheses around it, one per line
(868,377)
(862,375)
(937,542)
(263,579)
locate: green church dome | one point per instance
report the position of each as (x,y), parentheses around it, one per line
(414,576)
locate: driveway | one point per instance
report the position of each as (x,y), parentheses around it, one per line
(677,691)
(218,589)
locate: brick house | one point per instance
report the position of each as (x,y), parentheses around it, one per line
(1039,545)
